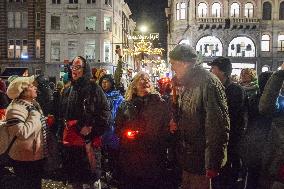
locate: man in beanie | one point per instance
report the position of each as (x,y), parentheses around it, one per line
(202,121)
(87,113)
(236,98)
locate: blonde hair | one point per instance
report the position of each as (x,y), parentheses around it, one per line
(131,90)
(248,71)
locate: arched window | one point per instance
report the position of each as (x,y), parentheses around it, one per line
(281,42)
(281,11)
(202,10)
(235,10)
(266,11)
(241,47)
(184,41)
(265,42)
(209,46)
(216,10)
(249,10)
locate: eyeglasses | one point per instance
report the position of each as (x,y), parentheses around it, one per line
(76,67)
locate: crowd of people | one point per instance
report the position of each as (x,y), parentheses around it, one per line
(198,130)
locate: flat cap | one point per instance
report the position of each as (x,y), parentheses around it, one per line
(183,52)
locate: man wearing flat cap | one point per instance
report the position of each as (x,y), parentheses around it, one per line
(203,121)
(222,68)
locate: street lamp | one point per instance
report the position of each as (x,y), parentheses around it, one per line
(143,28)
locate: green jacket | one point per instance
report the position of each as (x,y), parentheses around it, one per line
(269,106)
(203,122)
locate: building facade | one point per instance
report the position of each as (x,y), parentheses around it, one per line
(90,28)
(249,32)
(22,36)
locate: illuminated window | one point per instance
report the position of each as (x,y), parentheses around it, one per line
(38,48)
(107,51)
(265,43)
(209,46)
(182,11)
(18,49)
(249,10)
(107,23)
(11,49)
(235,10)
(24,53)
(281,43)
(242,47)
(202,10)
(216,10)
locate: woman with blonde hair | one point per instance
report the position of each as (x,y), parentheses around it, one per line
(142,126)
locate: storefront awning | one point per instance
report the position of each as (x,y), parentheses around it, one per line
(19,71)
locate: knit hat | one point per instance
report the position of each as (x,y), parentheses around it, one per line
(183,52)
(224,64)
(18,85)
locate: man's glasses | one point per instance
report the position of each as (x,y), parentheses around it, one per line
(76,67)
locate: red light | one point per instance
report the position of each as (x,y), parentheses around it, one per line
(130,134)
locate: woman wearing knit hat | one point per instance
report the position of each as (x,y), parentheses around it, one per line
(26,124)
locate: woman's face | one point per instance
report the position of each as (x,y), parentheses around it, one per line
(30,92)
(106,85)
(143,85)
(77,69)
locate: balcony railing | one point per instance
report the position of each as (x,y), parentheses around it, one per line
(210,20)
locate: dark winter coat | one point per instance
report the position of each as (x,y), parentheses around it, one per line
(203,122)
(236,98)
(143,157)
(269,106)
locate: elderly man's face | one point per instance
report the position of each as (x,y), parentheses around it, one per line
(77,68)
(180,68)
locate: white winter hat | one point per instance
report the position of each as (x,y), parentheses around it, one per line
(18,85)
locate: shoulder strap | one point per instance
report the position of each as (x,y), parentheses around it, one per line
(10,145)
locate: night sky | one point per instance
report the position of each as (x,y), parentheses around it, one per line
(152,14)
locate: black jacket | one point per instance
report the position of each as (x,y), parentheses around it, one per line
(143,157)
(86,102)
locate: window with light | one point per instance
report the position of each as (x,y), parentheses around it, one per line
(107,51)
(249,10)
(241,47)
(265,43)
(216,10)
(235,10)
(107,23)
(209,46)
(202,10)
(281,42)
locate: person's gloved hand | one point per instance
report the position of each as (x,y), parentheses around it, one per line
(211,173)
(50,120)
